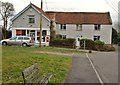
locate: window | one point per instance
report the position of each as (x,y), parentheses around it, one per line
(96,38)
(97,26)
(63,26)
(20,32)
(44,32)
(43,39)
(63,36)
(13,38)
(26,38)
(20,38)
(79,27)
(31,19)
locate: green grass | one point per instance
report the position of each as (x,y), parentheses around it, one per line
(16,59)
(55,49)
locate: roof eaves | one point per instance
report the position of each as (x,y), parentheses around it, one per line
(21,12)
(43,13)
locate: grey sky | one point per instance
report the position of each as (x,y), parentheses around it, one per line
(71,5)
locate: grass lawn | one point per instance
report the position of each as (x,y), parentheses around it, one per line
(16,59)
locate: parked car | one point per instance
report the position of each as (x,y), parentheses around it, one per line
(18,40)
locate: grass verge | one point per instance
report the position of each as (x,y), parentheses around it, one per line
(16,59)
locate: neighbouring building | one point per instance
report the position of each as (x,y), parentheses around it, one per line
(91,25)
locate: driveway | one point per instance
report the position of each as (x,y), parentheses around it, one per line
(105,63)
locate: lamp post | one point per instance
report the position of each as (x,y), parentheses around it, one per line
(40,35)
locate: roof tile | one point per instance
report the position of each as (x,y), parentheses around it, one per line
(80,17)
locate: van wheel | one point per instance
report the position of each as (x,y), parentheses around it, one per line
(24,44)
(4,43)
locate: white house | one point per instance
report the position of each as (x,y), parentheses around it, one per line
(91,25)
(27,22)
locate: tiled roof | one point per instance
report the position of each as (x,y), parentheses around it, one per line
(80,17)
(39,9)
(73,17)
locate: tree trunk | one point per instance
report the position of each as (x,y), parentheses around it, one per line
(52,31)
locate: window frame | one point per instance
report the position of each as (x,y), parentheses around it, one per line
(31,19)
(79,27)
(63,26)
(97,37)
(21,38)
(97,27)
(26,38)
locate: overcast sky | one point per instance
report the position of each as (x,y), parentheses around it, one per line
(71,5)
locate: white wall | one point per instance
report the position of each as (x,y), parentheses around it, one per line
(23,20)
(87,32)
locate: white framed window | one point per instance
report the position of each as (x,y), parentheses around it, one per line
(79,27)
(63,27)
(97,26)
(96,37)
(31,18)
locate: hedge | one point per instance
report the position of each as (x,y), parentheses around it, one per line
(69,43)
(89,44)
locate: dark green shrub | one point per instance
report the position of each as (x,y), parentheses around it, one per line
(89,44)
(58,36)
(62,42)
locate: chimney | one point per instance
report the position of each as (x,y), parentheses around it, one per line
(41,4)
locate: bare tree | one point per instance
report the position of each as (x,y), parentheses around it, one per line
(6,11)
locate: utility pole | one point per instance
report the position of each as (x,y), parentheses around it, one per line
(40,25)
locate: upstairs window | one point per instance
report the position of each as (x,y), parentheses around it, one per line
(79,27)
(31,18)
(63,26)
(97,26)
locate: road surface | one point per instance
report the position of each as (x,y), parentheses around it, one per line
(105,63)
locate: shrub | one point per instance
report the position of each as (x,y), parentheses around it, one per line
(106,48)
(62,42)
(99,42)
(58,36)
(89,44)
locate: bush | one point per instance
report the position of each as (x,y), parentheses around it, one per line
(62,42)
(89,44)
(99,42)
(106,48)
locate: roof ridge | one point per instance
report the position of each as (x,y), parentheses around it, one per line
(75,12)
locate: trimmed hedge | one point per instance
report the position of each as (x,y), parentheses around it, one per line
(89,44)
(68,43)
